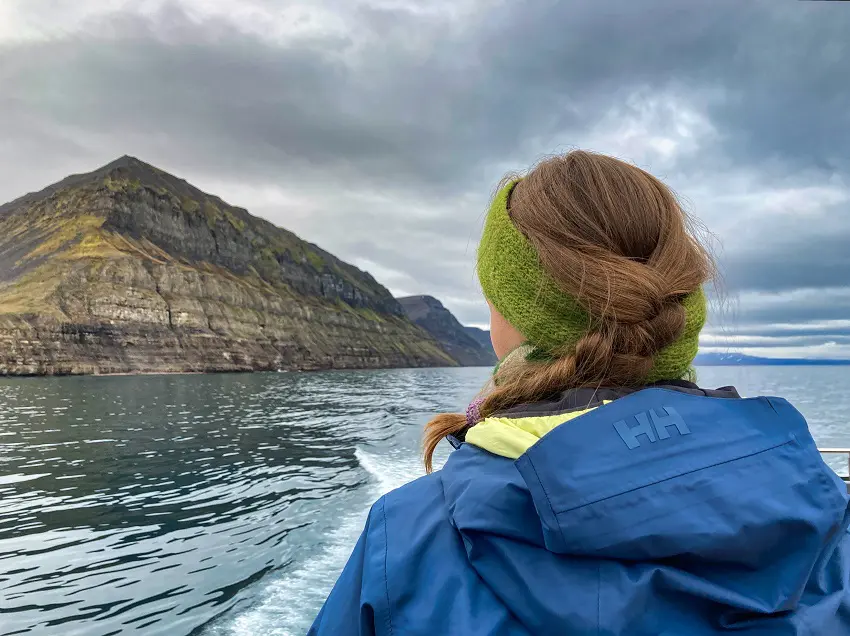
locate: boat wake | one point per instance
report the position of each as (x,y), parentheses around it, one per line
(287,605)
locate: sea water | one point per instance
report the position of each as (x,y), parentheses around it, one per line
(223,505)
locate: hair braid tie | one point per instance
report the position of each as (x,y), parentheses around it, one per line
(473,412)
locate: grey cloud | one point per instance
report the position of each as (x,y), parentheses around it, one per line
(778,341)
(787,253)
(440,114)
(826,332)
(830,306)
(790,318)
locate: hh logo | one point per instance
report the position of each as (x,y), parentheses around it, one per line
(652,424)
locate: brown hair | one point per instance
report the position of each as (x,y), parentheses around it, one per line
(615,238)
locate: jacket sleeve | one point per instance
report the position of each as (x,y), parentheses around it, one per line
(358,604)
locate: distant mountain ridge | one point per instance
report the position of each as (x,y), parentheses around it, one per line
(739,359)
(131,269)
(468,345)
(481,336)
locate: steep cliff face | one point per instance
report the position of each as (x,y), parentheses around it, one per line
(129,269)
(429,313)
(480,336)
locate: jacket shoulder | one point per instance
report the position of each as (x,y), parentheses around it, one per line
(425,552)
(420,504)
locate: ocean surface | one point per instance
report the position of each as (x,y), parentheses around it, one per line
(224,505)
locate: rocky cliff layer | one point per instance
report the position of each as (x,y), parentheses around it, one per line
(129,269)
(430,314)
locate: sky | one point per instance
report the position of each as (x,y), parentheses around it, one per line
(378,129)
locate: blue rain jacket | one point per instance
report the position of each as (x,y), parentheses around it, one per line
(661,513)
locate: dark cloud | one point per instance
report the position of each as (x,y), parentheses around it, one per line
(440,108)
(800,306)
(793,252)
(381,134)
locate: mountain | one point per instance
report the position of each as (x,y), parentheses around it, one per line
(130,269)
(739,359)
(456,340)
(481,336)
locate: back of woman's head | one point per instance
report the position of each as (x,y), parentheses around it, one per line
(593,261)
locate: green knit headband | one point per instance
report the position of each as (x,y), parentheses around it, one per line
(514,282)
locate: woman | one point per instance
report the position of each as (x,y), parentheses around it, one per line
(594,488)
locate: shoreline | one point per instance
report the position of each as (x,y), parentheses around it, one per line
(119,374)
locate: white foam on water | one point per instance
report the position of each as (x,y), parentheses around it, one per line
(288,604)
(390,472)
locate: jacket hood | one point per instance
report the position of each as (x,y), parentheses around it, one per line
(720,505)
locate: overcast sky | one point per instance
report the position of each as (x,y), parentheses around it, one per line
(379,128)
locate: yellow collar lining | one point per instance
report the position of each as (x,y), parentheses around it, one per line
(511,436)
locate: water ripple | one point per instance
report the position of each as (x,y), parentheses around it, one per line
(151,505)
(226,505)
